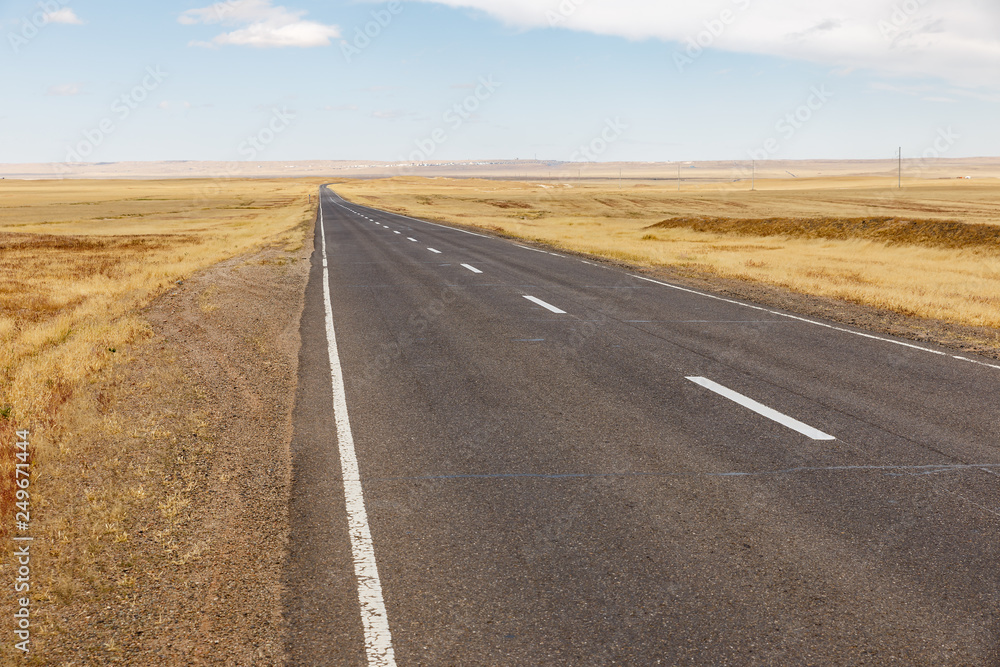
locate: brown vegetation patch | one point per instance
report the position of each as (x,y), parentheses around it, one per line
(888,230)
(27,242)
(506,203)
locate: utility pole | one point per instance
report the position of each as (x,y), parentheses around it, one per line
(678,177)
(619,179)
(900,167)
(753,175)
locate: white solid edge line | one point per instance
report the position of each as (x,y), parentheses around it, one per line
(438,252)
(471,268)
(378,639)
(541,303)
(813,322)
(762,409)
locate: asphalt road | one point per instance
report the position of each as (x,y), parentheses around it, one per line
(584,487)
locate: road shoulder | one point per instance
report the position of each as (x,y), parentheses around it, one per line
(199,420)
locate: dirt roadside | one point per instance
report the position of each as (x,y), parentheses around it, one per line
(197,425)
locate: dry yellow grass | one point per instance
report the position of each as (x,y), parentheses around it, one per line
(79,259)
(922,276)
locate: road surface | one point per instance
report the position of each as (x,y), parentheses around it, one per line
(509,456)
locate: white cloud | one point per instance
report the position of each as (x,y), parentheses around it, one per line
(957,40)
(64,15)
(260,24)
(65,90)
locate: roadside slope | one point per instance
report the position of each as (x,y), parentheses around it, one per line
(199,421)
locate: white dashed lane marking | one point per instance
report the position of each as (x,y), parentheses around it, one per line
(547,306)
(762,409)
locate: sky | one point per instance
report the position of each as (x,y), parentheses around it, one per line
(567,80)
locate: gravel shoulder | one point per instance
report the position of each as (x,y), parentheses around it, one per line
(195,425)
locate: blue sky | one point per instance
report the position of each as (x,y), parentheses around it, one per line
(270,80)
